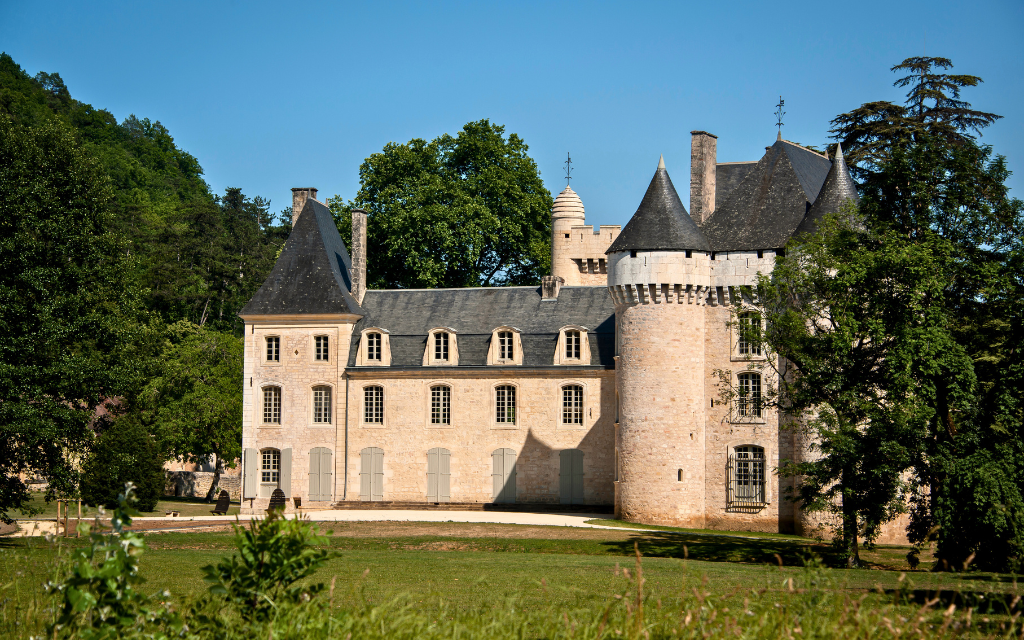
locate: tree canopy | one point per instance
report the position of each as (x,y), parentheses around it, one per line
(462,211)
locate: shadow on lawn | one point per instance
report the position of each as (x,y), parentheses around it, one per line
(670,544)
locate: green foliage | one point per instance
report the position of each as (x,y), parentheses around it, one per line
(100,596)
(124,453)
(193,400)
(463,211)
(69,305)
(273,554)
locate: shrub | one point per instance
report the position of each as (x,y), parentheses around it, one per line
(124,453)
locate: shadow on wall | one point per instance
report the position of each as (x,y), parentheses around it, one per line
(538,470)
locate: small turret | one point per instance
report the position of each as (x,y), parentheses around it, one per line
(838,189)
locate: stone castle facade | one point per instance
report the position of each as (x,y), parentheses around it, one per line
(601,387)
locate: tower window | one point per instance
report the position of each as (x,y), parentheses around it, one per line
(505,348)
(373,405)
(441,346)
(748,401)
(271,405)
(322,405)
(273,349)
(567,235)
(505,404)
(572,345)
(632,254)
(321,342)
(441,404)
(747,475)
(572,404)
(749,342)
(373,346)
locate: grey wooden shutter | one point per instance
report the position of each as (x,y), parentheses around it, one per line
(433,467)
(577,476)
(286,472)
(326,474)
(504,475)
(564,477)
(314,474)
(497,474)
(377,487)
(365,473)
(251,473)
(444,478)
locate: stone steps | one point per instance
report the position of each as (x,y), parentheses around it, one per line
(351,505)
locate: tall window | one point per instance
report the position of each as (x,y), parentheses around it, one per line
(748,475)
(373,404)
(273,349)
(322,405)
(505,404)
(748,402)
(441,404)
(322,342)
(572,404)
(441,346)
(572,345)
(270,470)
(373,349)
(505,345)
(749,343)
(272,405)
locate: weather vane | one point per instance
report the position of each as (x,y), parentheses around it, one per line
(778,114)
(568,168)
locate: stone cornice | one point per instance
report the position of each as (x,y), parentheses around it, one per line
(332,318)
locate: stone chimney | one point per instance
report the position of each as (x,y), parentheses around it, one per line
(703,152)
(550,286)
(358,254)
(299,195)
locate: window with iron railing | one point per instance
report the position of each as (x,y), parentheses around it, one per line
(747,476)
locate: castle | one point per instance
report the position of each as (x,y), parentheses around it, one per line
(596,388)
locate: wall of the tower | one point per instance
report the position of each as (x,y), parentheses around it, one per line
(577,253)
(659,311)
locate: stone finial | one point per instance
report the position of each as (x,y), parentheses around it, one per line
(358,254)
(661,161)
(299,196)
(550,286)
(703,174)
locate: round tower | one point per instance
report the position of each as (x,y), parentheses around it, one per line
(566,213)
(659,278)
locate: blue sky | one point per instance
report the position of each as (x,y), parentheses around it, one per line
(273,95)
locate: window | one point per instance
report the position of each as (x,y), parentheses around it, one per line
(273,349)
(748,401)
(749,343)
(572,344)
(322,342)
(505,404)
(272,405)
(373,404)
(747,465)
(270,470)
(322,405)
(373,349)
(440,404)
(441,346)
(572,404)
(505,342)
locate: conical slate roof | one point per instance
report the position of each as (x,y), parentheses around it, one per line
(770,202)
(312,275)
(838,188)
(661,223)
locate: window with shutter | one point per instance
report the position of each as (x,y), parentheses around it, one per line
(571,476)
(503,475)
(371,474)
(439,475)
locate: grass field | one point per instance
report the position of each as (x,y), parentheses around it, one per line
(185,506)
(464,568)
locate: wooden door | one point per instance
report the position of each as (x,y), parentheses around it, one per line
(503,475)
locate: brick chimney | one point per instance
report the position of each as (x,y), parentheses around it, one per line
(703,152)
(358,254)
(299,195)
(550,286)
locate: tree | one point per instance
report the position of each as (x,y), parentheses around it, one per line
(195,402)
(69,306)
(933,108)
(461,211)
(124,452)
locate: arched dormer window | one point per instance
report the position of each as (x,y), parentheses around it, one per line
(374,348)
(573,346)
(442,348)
(506,347)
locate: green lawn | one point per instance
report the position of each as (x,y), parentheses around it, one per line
(186,507)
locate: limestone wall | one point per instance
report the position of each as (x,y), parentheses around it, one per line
(578,253)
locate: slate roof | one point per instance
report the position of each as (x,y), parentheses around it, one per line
(312,274)
(728,176)
(409,314)
(661,222)
(838,188)
(769,203)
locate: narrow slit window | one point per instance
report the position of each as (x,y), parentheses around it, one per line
(505,405)
(322,343)
(373,346)
(272,405)
(273,349)
(572,404)
(505,348)
(322,405)
(441,404)
(572,345)
(441,346)
(373,405)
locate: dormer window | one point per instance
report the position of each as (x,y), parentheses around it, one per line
(441,346)
(506,345)
(374,349)
(373,346)
(572,344)
(273,349)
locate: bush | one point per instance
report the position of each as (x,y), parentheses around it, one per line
(124,453)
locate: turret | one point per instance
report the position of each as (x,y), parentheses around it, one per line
(659,279)
(566,213)
(837,190)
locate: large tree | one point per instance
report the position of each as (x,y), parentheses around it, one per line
(462,211)
(68,306)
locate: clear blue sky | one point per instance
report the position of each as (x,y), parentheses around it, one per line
(274,95)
